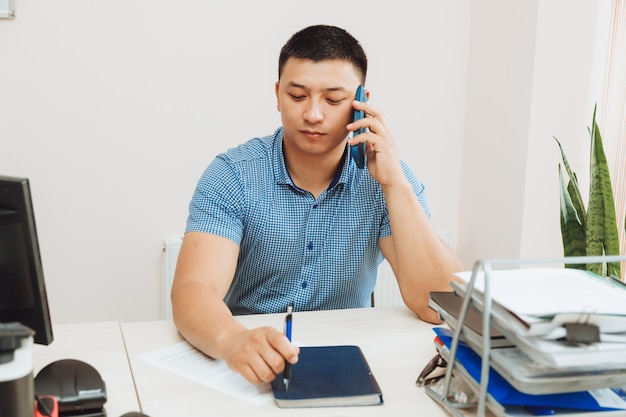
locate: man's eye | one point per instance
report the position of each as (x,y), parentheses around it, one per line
(331,101)
(296,97)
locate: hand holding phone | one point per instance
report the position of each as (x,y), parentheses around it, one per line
(358,151)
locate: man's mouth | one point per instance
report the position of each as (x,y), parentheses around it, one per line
(312,133)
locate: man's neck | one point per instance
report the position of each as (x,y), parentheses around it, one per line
(313,174)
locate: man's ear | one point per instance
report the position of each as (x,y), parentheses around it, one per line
(276,88)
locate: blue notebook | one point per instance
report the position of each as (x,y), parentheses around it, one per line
(505,394)
(328,376)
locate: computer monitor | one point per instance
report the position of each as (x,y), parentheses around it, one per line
(23,296)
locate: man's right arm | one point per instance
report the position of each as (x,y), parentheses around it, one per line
(204,272)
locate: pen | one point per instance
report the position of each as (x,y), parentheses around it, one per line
(287,371)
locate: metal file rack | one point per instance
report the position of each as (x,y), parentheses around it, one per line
(445,397)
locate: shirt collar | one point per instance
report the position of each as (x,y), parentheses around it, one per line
(281,175)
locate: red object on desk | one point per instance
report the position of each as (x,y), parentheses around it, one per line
(46,406)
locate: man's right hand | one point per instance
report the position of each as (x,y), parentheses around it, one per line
(258,354)
(204,272)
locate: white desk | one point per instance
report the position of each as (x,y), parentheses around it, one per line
(396,344)
(102,346)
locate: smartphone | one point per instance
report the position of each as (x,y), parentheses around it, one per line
(358,151)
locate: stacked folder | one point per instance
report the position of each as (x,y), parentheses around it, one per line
(550,352)
(532,307)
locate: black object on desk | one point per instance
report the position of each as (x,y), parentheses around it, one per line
(78,387)
(16,370)
(448,305)
(329,376)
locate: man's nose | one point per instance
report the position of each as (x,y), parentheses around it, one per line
(314,112)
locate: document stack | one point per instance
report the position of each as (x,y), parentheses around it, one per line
(533,341)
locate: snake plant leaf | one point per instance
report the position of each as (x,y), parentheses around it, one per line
(573,189)
(572,229)
(601,229)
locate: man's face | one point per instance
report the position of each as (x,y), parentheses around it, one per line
(315,102)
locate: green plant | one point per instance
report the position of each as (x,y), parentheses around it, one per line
(590,232)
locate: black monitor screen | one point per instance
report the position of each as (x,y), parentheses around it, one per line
(23,295)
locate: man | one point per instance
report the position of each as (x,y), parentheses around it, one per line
(289,219)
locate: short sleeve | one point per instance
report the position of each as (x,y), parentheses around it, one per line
(218,202)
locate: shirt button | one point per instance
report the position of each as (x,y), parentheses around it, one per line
(310,246)
(314,206)
(304,284)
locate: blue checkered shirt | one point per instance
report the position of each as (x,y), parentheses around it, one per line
(294,249)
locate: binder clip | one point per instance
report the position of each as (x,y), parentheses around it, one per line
(581,333)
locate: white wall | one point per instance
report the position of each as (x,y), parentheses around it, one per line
(534,72)
(568,79)
(499,83)
(114,109)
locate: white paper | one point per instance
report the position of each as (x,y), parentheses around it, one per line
(184,360)
(609,397)
(544,292)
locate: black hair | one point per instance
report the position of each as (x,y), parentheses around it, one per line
(322,42)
